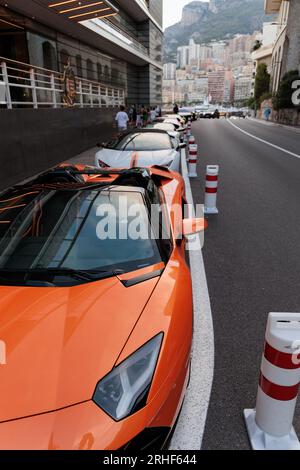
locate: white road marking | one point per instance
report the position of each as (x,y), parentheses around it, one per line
(190,428)
(264,141)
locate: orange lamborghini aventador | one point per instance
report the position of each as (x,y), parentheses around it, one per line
(95,309)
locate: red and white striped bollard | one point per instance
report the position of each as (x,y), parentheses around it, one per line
(270,424)
(211,189)
(192,140)
(192,159)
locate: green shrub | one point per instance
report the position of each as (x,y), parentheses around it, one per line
(283,97)
(265,96)
(262,82)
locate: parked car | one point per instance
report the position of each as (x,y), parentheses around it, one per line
(210,114)
(169,127)
(178,125)
(179,118)
(98,329)
(188,113)
(239,114)
(140,148)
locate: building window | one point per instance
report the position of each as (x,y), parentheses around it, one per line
(99,72)
(64,58)
(106,73)
(90,69)
(49,55)
(79,65)
(114,76)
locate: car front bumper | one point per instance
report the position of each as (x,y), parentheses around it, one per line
(86,427)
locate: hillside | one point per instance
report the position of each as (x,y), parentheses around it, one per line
(219,19)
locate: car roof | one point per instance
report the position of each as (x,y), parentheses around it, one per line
(142,131)
(78,177)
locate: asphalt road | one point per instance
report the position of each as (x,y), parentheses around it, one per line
(252,260)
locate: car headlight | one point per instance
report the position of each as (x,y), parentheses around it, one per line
(102,164)
(125,389)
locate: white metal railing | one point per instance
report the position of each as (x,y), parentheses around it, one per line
(22,84)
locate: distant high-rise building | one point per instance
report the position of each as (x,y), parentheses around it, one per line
(216,82)
(183,56)
(228,96)
(242,88)
(169,71)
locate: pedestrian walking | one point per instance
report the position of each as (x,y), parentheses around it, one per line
(139,120)
(130,114)
(175,109)
(267,113)
(122,119)
(152,115)
(145,116)
(134,114)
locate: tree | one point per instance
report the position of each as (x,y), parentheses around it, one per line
(262,82)
(283,97)
(257,45)
(251,103)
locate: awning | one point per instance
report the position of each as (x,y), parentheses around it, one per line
(84,9)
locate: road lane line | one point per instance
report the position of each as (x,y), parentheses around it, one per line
(264,141)
(190,428)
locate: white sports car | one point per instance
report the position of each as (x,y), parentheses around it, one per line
(173,131)
(141,148)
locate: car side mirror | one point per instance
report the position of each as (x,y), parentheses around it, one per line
(193,226)
(103,145)
(182,145)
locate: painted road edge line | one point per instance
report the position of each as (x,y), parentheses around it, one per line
(264,141)
(189,431)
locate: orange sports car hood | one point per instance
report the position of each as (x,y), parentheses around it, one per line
(61,341)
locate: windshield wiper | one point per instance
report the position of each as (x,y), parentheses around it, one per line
(83,275)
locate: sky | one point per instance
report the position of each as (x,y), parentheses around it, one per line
(173,10)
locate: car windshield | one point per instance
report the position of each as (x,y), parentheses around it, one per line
(76,230)
(146,141)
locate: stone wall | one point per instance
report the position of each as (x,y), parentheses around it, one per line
(290,117)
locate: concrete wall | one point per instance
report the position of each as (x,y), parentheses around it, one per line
(33,140)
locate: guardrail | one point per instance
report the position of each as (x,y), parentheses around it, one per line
(24,85)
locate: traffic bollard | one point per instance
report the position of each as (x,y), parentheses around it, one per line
(192,159)
(270,424)
(192,140)
(211,189)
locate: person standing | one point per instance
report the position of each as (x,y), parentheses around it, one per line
(122,119)
(267,113)
(130,113)
(152,115)
(134,115)
(175,109)
(139,121)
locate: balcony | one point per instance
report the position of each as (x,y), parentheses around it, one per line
(114,42)
(272,6)
(118,33)
(27,86)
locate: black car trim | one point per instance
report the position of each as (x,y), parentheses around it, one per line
(143,278)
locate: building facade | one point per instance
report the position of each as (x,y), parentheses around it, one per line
(286,48)
(169,71)
(116,44)
(216,82)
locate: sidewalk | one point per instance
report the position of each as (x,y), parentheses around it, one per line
(86,158)
(275,124)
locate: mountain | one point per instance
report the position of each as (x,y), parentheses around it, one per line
(218,19)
